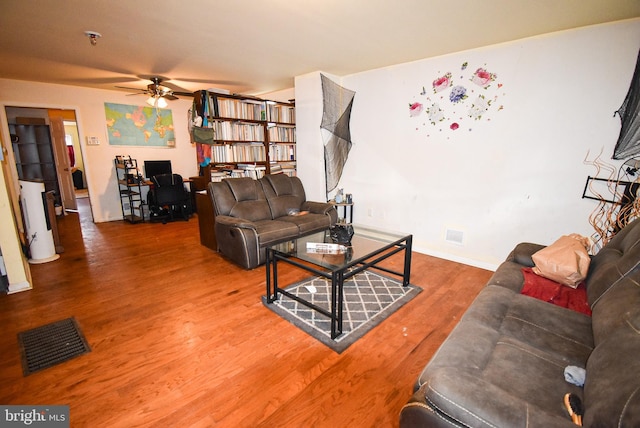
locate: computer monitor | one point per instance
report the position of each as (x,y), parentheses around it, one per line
(156,167)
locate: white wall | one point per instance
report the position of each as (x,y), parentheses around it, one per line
(99,166)
(518,176)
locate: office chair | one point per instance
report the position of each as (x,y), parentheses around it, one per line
(168,198)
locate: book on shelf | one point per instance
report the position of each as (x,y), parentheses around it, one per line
(275,168)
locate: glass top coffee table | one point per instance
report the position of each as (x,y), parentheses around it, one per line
(368,248)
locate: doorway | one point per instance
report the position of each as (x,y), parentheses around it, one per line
(56,150)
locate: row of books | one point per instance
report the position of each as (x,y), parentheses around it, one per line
(281,113)
(282,152)
(248,170)
(237,131)
(240,109)
(282,133)
(240,152)
(250,109)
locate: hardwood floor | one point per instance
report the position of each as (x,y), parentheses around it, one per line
(180,338)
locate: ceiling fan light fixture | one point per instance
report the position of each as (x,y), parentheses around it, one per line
(157,102)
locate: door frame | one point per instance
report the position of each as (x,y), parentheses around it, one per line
(13,185)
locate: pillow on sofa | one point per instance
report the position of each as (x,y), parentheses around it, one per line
(565,261)
(553,292)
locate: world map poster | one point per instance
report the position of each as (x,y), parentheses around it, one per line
(129,125)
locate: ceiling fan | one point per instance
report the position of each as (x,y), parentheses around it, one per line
(158,94)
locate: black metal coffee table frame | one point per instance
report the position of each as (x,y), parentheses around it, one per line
(337,274)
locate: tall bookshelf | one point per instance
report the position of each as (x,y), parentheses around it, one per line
(253,136)
(33,151)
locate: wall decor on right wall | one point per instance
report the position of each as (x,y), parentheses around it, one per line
(337,103)
(453,102)
(629,140)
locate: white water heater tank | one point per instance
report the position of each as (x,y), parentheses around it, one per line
(37,224)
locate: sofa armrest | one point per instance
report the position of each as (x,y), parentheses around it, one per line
(522,253)
(235,222)
(451,398)
(321,208)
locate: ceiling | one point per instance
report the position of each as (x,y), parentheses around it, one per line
(252,46)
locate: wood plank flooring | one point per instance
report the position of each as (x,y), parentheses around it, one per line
(180,338)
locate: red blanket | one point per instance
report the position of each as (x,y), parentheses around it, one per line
(550,291)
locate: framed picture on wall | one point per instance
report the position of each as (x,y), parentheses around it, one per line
(129,125)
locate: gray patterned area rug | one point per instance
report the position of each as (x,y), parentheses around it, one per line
(369,298)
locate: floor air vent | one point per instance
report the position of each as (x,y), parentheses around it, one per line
(51,344)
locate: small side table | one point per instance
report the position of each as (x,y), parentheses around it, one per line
(347,211)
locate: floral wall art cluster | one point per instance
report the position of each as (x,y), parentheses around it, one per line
(457,101)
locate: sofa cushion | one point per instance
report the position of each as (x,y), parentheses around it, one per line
(251,210)
(619,258)
(244,199)
(308,223)
(612,387)
(505,361)
(243,189)
(239,197)
(280,183)
(272,231)
(560,332)
(285,194)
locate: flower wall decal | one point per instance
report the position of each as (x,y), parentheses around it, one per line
(479,107)
(458,93)
(441,83)
(454,100)
(483,78)
(415,109)
(435,114)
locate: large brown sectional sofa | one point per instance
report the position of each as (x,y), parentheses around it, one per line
(504,364)
(250,215)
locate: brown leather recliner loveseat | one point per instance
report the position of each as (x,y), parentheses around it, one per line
(250,215)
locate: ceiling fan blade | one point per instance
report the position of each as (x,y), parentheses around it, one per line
(132,89)
(169,97)
(183,94)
